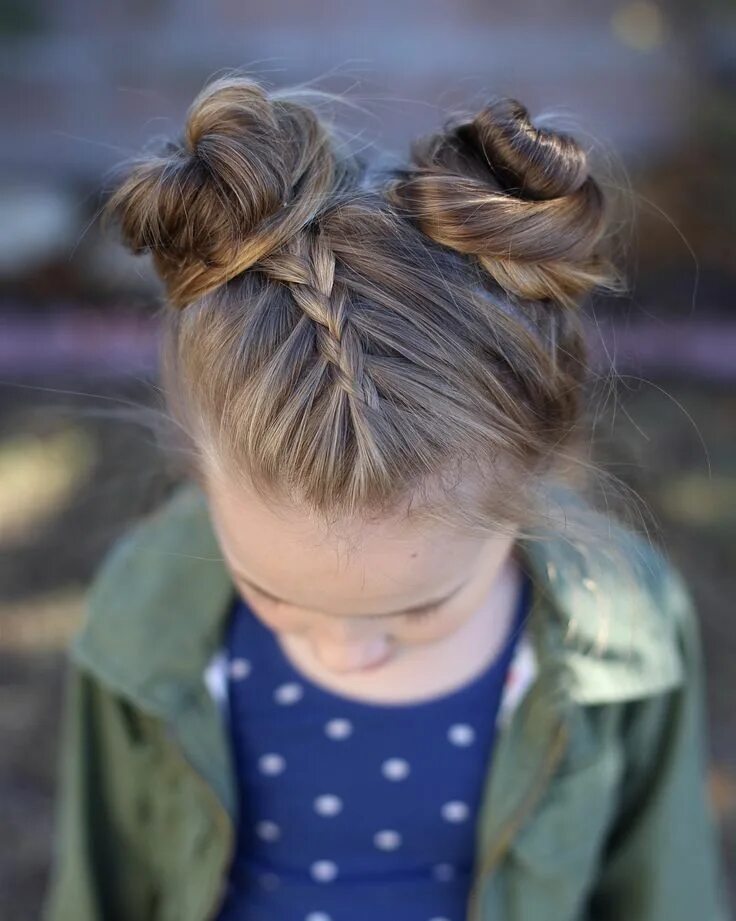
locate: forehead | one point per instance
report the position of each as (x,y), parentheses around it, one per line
(288,551)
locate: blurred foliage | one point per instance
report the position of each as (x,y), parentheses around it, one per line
(38,476)
(701,501)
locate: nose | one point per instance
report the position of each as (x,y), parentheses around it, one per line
(346,656)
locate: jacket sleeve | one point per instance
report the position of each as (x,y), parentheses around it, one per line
(661,861)
(99,869)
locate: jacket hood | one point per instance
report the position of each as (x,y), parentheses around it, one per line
(156,608)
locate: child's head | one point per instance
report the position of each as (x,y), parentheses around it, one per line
(355,591)
(395,356)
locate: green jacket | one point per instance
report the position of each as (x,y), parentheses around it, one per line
(596,806)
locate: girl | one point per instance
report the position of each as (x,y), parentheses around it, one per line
(378,656)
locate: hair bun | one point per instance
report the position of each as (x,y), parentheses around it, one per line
(212,204)
(531,162)
(519,198)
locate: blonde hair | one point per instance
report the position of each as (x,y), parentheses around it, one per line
(342,336)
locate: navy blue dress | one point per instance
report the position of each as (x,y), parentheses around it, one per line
(356,811)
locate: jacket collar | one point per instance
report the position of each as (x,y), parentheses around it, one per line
(156,610)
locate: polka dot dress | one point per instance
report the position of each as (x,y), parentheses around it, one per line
(353,810)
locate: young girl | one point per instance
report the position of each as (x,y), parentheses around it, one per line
(377,656)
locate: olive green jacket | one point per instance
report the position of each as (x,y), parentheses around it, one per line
(595,809)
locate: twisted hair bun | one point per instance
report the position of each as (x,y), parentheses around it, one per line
(251,170)
(519,198)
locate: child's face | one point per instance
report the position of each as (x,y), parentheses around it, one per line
(347,597)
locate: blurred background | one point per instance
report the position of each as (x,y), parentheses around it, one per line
(85,84)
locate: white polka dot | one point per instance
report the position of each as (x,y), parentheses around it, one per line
(387,840)
(288,693)
(455,811)
(338,728)
(323,870)
(461,734)
(269,881)
(328,804)
(239,668)
(271,763)
(395,768)
(318,916)
(268,831)
(444,872)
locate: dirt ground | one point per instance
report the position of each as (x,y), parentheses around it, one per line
(74,472)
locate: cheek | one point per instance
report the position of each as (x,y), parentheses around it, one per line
(407,632)
(272,615)
(431,629)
